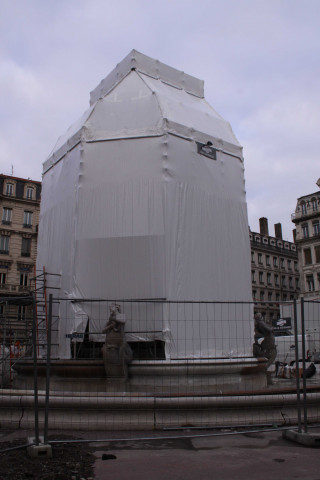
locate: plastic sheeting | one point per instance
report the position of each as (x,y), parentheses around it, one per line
(131,210)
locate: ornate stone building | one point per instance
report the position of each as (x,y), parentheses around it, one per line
(307,221)
(19,210)
(274,270)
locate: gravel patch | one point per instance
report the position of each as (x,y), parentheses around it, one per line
(70,461)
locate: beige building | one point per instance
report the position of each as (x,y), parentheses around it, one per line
(274,271)
(307,221)
(19,210)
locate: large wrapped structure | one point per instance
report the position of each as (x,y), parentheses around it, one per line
(144,198)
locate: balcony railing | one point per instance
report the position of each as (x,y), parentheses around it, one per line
(308,212)
(9,287)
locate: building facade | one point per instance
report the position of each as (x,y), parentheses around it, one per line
(307,221)
(19,210)
(274,271)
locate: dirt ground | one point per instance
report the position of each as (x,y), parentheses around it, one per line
(70,461)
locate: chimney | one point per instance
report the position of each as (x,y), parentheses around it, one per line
(278,231)
(264,226)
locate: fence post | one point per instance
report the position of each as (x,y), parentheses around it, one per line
(48,371)
(35,371)
(297,362)
(304,380)
(4,337)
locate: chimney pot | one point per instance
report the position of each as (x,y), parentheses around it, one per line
(278,231)
(263,222)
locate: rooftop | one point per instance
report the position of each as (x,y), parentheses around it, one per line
(19,179)
(149,66)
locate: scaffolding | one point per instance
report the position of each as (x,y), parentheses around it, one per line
(17,314)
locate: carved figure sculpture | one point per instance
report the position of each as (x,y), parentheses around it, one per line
(267,348)
(116,352)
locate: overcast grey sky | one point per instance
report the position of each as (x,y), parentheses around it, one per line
(260,60)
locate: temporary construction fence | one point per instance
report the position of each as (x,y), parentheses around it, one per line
(162,390)
(16,326)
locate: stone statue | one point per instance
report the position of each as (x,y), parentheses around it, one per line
(116,352)
(267,348)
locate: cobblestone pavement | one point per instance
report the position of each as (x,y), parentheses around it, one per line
(262,455)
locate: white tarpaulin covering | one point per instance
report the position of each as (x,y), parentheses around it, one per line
(133,207)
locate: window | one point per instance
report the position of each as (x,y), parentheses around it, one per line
(276,279)
(22,312)
(307,256)
(305,230)
(27,219)
(277,297)
(296,266)
(9,189)
(269,278)
(29,193)
(268,260)
(284,297)
(303,208)
(24,279)
(4,244)
(6,216)
(3,277)
(316,228)
(289,264)
(262,295)
(26,247)
(252,257)
(310,283)
(317,253)
(269,296)
(290,282)
(254,294)
(283,281)
(281,262)
(252,276)
(314,204)
(260,258)
(261,277)
(297,283)
(275,261)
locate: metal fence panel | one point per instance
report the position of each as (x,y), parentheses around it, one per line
(210,379)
